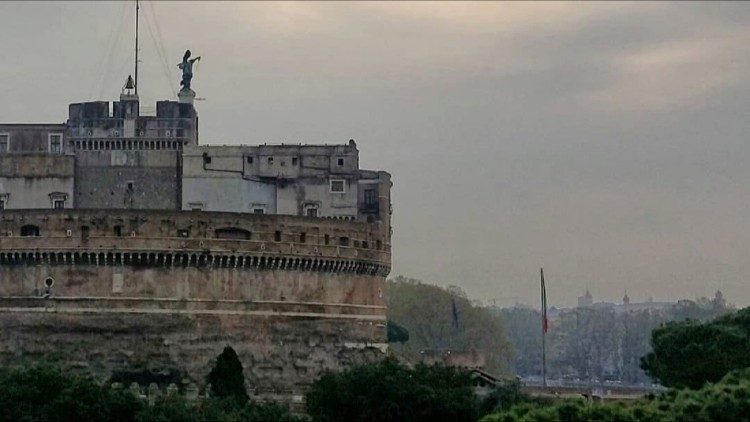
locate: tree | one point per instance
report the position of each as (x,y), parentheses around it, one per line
(691,353)
(436,318)
(389,391)
(396,333)
(42,392)
(226,377)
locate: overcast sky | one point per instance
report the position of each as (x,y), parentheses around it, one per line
(607,142)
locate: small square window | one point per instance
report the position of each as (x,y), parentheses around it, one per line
(337,186)
(259,211)
(312,212)
(183,233)
(58,204)
(340,162)
(249,160)
(270,161)
(294,161)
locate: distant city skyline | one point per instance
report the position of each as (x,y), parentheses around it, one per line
(605,142)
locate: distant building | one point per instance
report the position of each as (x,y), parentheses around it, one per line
(585,300)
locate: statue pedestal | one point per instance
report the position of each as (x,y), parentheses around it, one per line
(186,96)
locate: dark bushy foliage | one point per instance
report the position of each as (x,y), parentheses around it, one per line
(690,353)
(44,393)
(227,409)
(727,400)
(226,377)
(389,391)
(506,396)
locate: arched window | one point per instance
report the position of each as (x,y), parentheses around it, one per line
(232,233)
(30,230)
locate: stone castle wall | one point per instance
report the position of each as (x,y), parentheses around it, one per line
(162,292)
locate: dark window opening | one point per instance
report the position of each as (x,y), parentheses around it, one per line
(130,186)
(379,245)
(232,233)
(312,212)
(270,160)
(249,160)
(302,237)
(364,244)
(294,161)
(84,233)
(277,236)
(118,231)
(29,231)
(327,239)
(343,241)
(340,162)
(370,197)
(183,233)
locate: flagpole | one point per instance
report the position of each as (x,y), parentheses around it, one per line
(544,329)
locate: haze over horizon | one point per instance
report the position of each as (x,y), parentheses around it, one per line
(606,142)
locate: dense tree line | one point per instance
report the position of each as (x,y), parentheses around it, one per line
(423,316)
(597,343)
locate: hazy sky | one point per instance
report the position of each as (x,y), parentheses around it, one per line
(607,142)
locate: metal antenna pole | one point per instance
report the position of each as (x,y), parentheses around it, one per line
(136,46)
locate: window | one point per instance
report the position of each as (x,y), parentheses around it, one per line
(118,231)
(344,241)
(55,143)
(249,160)
(327,239)
(370,197)
(57,199)
(337,186)
(4,142)
(195,206)
(294,161)
(340,162)
(183,233)
(257,208)
(29,231)
(2,204)
(270,161)
(303,237)
(277,236)
(84,233)
(311,210)
(233,233)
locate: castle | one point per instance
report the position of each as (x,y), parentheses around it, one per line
(131,252)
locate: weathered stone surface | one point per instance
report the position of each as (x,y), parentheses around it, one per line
(155,307)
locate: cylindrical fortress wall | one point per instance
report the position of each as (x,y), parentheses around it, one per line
(162,292)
